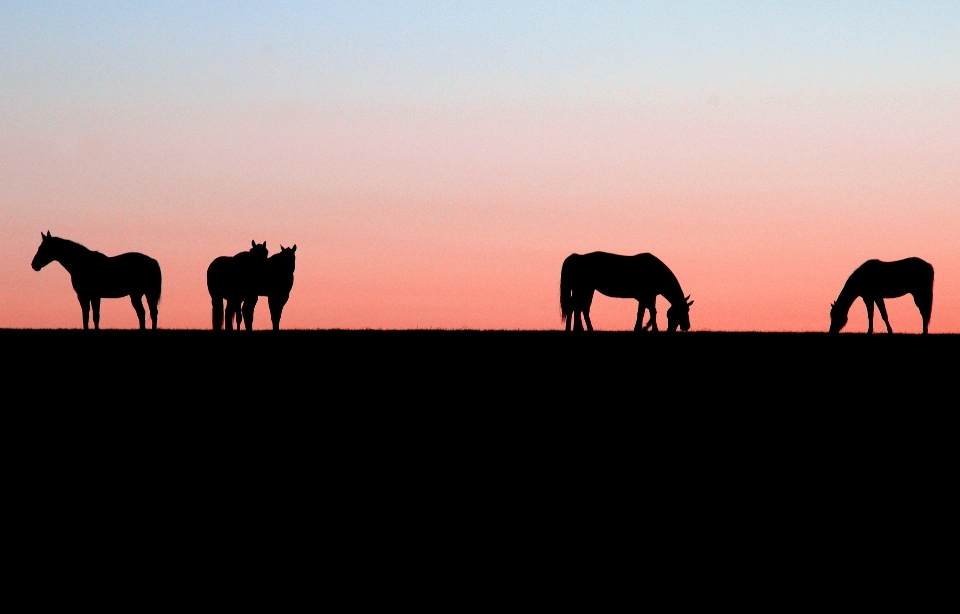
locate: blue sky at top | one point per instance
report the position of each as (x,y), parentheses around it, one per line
(78,55)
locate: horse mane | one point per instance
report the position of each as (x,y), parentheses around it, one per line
(676,296)
(73,246)
(284,260)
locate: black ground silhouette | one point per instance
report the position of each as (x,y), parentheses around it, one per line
(487,452)
(324,373)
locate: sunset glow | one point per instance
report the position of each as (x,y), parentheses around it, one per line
(436,162)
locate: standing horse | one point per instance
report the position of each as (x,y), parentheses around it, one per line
(641,277)
(876,280)
(275,284)
(235,279)
(95,276)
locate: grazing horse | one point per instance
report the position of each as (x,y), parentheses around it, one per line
(641,277)
(95,276)
(876,280)
(235,279)
(275,284)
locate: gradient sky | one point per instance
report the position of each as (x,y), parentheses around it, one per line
(435,162)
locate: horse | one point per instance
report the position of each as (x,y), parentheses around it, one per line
(641,277)
(275,284)
(876,280)
(235,279)
(96,276)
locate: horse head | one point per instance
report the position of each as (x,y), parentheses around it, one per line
(288,257)
(46,253)
(679,315)
(259,250)
(838,318)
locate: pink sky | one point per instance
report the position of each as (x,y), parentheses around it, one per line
(435,163)
(432,218)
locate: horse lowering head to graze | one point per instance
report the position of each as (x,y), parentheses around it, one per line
(838,318)
(642,277)
(95,276)
(679,315)
(876,280)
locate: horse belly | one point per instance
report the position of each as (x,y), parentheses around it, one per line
(617,290)
(114,291)
(893,289)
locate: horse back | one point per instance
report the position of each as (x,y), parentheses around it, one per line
(892,279)
(131,273)
(234,276)
(622,276)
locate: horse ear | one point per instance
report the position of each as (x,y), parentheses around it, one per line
(294,247)
(282,247)
(690,303)
(43,236)
(253,243)
(48,234)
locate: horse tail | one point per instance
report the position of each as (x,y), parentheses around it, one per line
(159,280)
(567,280)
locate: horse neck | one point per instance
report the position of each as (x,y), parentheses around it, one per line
(672,290)
(849,294)
(72,256)
(280,265)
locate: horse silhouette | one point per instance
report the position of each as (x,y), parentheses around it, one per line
(641,277)
(876,280)
(235,279)
(95,276)
(275,283)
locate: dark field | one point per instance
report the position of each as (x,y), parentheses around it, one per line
(386,370)
(485,460)
(491,384)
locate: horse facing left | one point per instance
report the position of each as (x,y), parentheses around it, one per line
(96,276)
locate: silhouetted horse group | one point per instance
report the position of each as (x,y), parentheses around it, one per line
(241,279)
(643,277)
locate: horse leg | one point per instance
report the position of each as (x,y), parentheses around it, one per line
(869,303)
(276,304)
(152,302)
(231,309)
(883,314)
(95,303)
(217,305)
(85,307)
(587,302)
(137,300)
(249,305)
(652,324)
(924,302)
(638,327)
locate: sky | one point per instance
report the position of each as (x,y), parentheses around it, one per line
(435,162)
